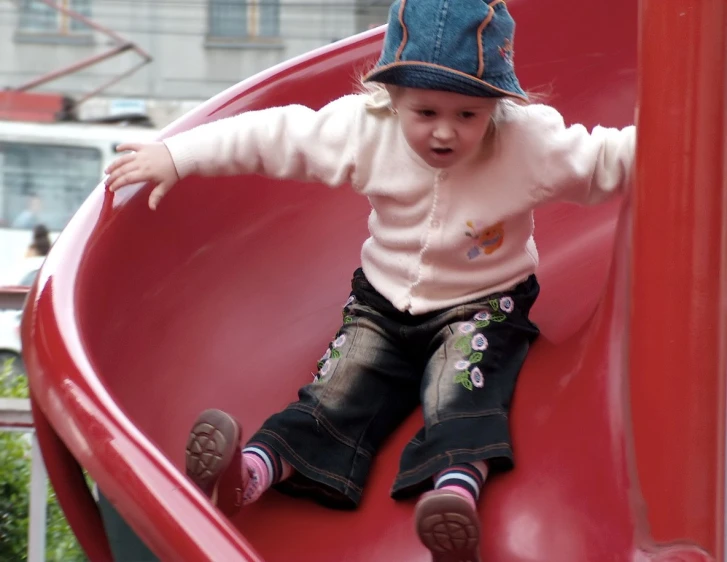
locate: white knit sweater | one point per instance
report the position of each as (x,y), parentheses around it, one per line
(438,237)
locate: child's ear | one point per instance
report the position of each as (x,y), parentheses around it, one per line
(394,92)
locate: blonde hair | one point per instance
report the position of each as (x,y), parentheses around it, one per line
(378,101)
(378,97)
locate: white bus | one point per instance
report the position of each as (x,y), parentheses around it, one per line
(46,172)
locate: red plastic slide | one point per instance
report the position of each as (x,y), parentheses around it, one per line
(227,295)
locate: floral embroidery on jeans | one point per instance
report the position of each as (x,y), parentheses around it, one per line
(483,315)
(467,328)
(472,344)
(479,342)
(507,304)
(347,314)
(477,378)
(462,365)
(333,352)
(323,371)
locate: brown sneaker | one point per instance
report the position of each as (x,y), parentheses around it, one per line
(448,526)
(214,459)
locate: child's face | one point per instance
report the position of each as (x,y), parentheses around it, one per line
(443,128)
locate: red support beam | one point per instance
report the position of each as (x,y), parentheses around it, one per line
(121,45)
(679,271)
(75,67)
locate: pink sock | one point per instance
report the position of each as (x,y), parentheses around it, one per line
(462,492)
(259,477)
(463,479)
(481,466)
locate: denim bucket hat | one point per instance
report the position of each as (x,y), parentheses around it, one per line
(461,46)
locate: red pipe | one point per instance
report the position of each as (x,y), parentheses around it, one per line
(75,67)
(73,493)
(121,45)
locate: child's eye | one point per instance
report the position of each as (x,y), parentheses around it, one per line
(426,113)
(467,114)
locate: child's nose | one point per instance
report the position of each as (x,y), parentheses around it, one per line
(443,132)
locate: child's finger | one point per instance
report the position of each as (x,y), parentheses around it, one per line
(125,177)
(134,146)
(120,161)
(112,180)
(117,183)
(157,193)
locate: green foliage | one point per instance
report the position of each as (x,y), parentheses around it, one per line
(61,544)
(14,482)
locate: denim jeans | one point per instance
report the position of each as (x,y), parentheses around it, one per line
(460,364)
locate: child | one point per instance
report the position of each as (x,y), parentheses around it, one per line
(453,162)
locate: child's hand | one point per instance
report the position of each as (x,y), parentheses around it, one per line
(149,162)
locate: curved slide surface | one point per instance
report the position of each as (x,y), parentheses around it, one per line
(227,295)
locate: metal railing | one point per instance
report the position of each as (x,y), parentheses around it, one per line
(12,298)
(15,415)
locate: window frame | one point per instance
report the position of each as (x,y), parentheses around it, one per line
(250,36)
(65,30)
(6,211)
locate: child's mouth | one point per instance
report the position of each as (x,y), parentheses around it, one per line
(442,151)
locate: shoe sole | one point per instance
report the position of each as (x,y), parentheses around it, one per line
(210,448)
(449,528)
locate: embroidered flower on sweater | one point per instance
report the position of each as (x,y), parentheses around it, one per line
(487,238)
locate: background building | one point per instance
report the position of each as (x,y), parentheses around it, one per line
(198,47)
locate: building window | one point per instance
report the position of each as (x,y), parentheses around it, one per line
(234,20)
(37,17)
(371,13)
(268,20)
(45,183)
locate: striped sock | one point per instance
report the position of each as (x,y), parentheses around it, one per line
(466,476)
(264,467)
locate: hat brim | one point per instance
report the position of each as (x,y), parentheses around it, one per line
(434,77)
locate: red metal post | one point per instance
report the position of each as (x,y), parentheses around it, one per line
(121,45)
(75,67)
(677,328)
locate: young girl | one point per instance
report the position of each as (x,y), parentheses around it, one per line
(453,162)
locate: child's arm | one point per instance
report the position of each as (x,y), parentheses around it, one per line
(579,166)
(292,142)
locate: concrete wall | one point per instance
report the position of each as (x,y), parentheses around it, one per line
(187,65)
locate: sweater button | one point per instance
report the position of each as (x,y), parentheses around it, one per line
(435,223)
(443,176)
